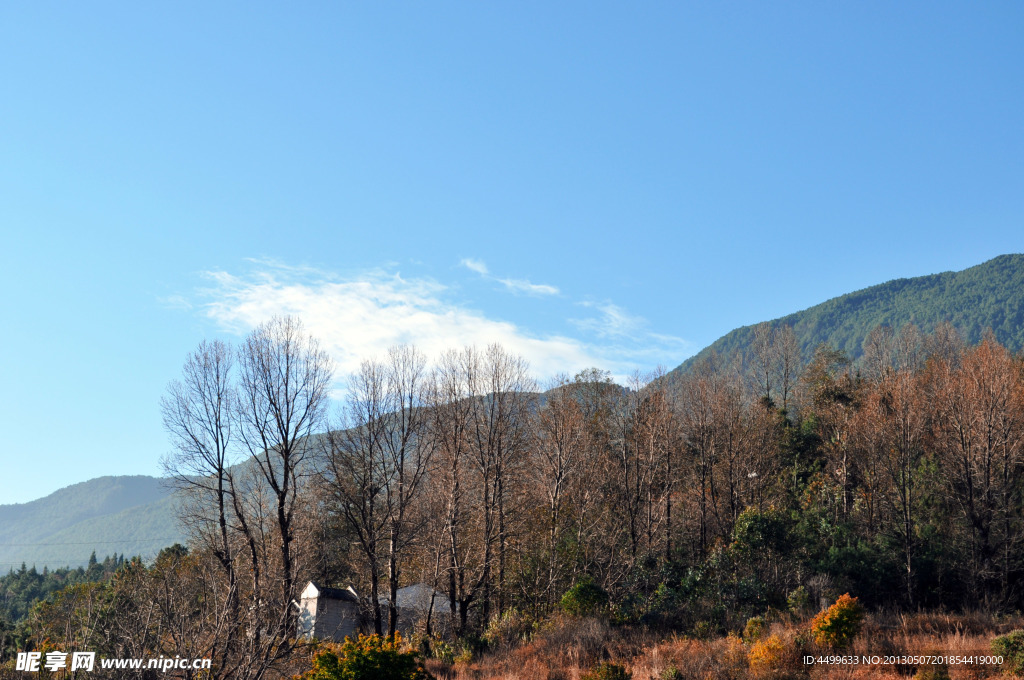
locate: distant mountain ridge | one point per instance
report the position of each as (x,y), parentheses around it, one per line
(988,295)
(133,515)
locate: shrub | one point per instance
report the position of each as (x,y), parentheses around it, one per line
(440,649)
(767,654)
(798,600)
(508,629)
(586,598)
(703,630)
(607,671)
(754,629)
(938,671)
(839,624)
(370,657)
(1011,648)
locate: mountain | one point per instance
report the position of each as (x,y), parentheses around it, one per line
(133,515)
(986,296)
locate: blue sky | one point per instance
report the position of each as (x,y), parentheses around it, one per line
(590,183)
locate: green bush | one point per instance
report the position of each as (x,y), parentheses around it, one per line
(799,600)
(754,629)
(671,673)
(703,630)
(586,598)
(1011,648)
(607,671)
(370,657)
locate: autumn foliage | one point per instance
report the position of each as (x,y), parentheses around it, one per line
(839,624)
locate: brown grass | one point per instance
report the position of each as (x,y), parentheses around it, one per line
(566,648)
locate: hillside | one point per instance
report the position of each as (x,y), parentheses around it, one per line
(989,295)
(132,515)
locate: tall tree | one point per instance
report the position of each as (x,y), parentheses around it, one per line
(356,475)
(283,397)
(560,446)
(408,453)
(197,414)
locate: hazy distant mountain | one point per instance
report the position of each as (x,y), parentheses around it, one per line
(989,295)
(132,515)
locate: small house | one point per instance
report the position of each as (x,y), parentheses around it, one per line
(329,613)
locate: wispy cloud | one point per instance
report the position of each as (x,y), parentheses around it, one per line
(524,286)
(175,302)
(358,317)
(475,265)
(613,322)
(624,334)
(514,285)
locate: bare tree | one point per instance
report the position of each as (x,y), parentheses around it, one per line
(699,394)
(197,414)
(765,353)
(283,396)
(891,427)
(878,349)
(409,449)
(356,476)
(501,396)
(775,363)
(788,362)
(452,411)
(561,442)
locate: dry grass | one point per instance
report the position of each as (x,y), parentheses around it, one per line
(566,648)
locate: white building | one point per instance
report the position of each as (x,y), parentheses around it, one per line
(329,613)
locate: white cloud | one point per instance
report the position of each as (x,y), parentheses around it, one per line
(475,265)
(524,286)
(514,285)
(614,321)
(359,317)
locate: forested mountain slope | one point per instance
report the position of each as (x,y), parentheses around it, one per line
(989,295)
(133,515)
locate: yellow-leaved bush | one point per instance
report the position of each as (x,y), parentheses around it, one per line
(839,624)
(767,654)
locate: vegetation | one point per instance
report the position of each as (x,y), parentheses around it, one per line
(1011,647)
(592,525)
(607,671)
(836,626)
(370,657)
(21,590)
(586,598)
